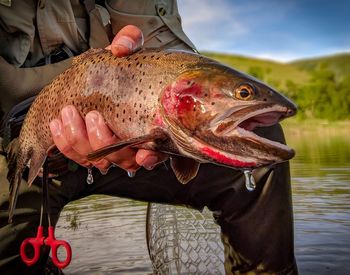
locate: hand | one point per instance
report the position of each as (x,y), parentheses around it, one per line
(75,136)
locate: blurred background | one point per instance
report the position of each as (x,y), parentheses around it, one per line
(301,48)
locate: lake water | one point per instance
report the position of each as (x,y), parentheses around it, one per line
(108,234)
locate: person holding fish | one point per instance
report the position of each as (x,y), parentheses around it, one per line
(39,42)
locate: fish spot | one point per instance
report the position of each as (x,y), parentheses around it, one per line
(140,80)
(213,103)
(123,120)
(124,111)
(129,118)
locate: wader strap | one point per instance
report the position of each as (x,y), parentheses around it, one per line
(98,35)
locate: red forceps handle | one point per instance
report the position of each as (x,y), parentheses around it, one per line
(51,241)
(55,244)
(36,243)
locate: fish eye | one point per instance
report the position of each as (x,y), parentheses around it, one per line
(244,92)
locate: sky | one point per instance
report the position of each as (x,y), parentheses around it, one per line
(281,30)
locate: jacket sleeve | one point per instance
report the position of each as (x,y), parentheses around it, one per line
(17,84)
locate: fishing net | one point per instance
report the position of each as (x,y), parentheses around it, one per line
(183,241)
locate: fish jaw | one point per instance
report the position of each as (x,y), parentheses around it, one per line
(242,150)
(255,151)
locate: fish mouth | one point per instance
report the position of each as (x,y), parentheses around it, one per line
(251,118)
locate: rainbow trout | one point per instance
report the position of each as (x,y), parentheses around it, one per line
(177,102)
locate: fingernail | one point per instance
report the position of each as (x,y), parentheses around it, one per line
(125,42)
(67,114)
(150,162)
(92,119)
(55,128)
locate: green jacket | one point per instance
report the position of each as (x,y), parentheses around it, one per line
(32,30)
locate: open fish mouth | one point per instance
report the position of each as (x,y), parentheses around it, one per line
(251,118)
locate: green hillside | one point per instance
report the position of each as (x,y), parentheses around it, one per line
(339,64)
(274,73)
(319,86)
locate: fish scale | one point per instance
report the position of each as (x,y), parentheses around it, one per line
(172,101)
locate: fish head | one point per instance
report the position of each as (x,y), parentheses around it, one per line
(213,111)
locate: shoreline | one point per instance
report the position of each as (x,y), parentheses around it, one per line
(315,128)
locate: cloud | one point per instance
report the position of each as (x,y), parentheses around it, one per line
(224,26)
(211,24)
(266,29)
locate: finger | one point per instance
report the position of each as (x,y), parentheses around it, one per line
(100,135)
(128,40)
(75,130)
(62,145)
(149,159)
(125,159)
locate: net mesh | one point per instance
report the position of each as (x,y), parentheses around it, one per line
(183,241)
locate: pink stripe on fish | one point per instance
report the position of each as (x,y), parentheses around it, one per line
(221,158)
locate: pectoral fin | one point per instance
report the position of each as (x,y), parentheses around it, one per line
(133,142)
(184,168)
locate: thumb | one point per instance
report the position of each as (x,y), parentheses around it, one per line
(128,40)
